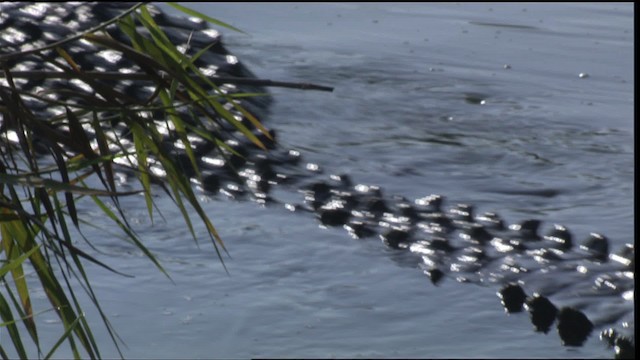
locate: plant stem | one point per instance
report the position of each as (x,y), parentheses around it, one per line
(114,75)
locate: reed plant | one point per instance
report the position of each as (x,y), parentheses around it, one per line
(39,194)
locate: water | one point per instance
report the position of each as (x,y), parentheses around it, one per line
(482,103)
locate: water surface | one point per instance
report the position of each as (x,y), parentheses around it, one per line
(482,103)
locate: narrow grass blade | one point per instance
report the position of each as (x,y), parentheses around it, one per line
(64,336)
(14,334)
(204,17)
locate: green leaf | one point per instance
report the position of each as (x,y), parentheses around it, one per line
(16,262)
(64,336)
(10,323)
(132,236)
(56,186)
(203,16)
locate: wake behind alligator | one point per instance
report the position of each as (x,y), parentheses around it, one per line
(528,266)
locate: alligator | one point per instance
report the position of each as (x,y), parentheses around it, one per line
(448,242)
